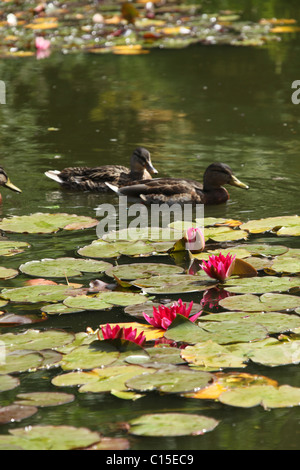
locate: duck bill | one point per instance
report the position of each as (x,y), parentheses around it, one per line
(235,182)
(11,186)
(151,168)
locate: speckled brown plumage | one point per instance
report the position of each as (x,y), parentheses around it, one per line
(176,190)
(5,181)
(94,179)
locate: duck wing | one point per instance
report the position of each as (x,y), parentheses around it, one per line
(164,190)
(89,179)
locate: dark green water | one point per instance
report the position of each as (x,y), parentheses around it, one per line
(189,108)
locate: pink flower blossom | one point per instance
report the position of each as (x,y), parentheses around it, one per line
(219,266)
(195,241)
(42,44)
(127,334)
(163,316)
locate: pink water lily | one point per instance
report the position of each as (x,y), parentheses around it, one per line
(41,43)
(219,266)
(195,241)
(127,334)
(163,316)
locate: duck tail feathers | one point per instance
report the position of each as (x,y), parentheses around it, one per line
(53,174)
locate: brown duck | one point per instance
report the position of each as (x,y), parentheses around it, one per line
(175,190)
(95,179)
(5,181)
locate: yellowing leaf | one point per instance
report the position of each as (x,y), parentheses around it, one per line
(131,49)
(285,29)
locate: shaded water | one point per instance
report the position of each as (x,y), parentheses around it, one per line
(189,108)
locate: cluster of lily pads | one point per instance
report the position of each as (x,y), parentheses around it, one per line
(247,313)
(38,28)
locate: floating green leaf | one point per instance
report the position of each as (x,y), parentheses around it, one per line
(7,382)
(260,285)
(42,399)
(46,223)
(266,302)
(20,361)
(283,225)
(85,357)
(63,267)
(181,329)
(171,424)
(11,248)
(212,356)
(173,380)
(142,270)
(49,438)
(38,293)
(36,340)
(264,395)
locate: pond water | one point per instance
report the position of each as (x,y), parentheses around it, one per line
(189,107)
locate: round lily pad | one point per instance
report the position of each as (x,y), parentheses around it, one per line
(46,223)
(271,223)
(59,309)
(104,249)
(37,293)
(49,438)
(171,424)
(11,248)
(7,382)
(260,285)
(142,270)
(14,413)
(175,380)
(42,399)
(85,357)
(20,361)
(264,395)
(8,273)
(36,340)
(267,302)
(63,267)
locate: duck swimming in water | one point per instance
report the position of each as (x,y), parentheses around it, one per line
(5,181)
(95,179)
(177,190)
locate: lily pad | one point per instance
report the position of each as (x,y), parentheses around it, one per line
(46,223)
(274,322)
(173,380)
(212,356)
(15,413)
(59,309)
(101,380)
(42,399)
(20,361)
(142,270)
(104,300)
(38,293)
(274,224)
(8,273)
(226,332)
(171,424)
(7,382)
(261,285)
(63,267)
(11,248)
(85,357)
(267,302)
(264,395)
(49,438)
(36,340)
(104,249)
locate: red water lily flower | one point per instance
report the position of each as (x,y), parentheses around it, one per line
(218,266)
(195,241)
(163,316)
(127,334)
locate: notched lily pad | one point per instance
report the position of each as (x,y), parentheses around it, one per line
(46,223)
(49,438)
(63,267)
(264,395)
(38,293)
(133,271)
(14,413)
(171,424)
(267,302)
(11,248)
(42,399)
